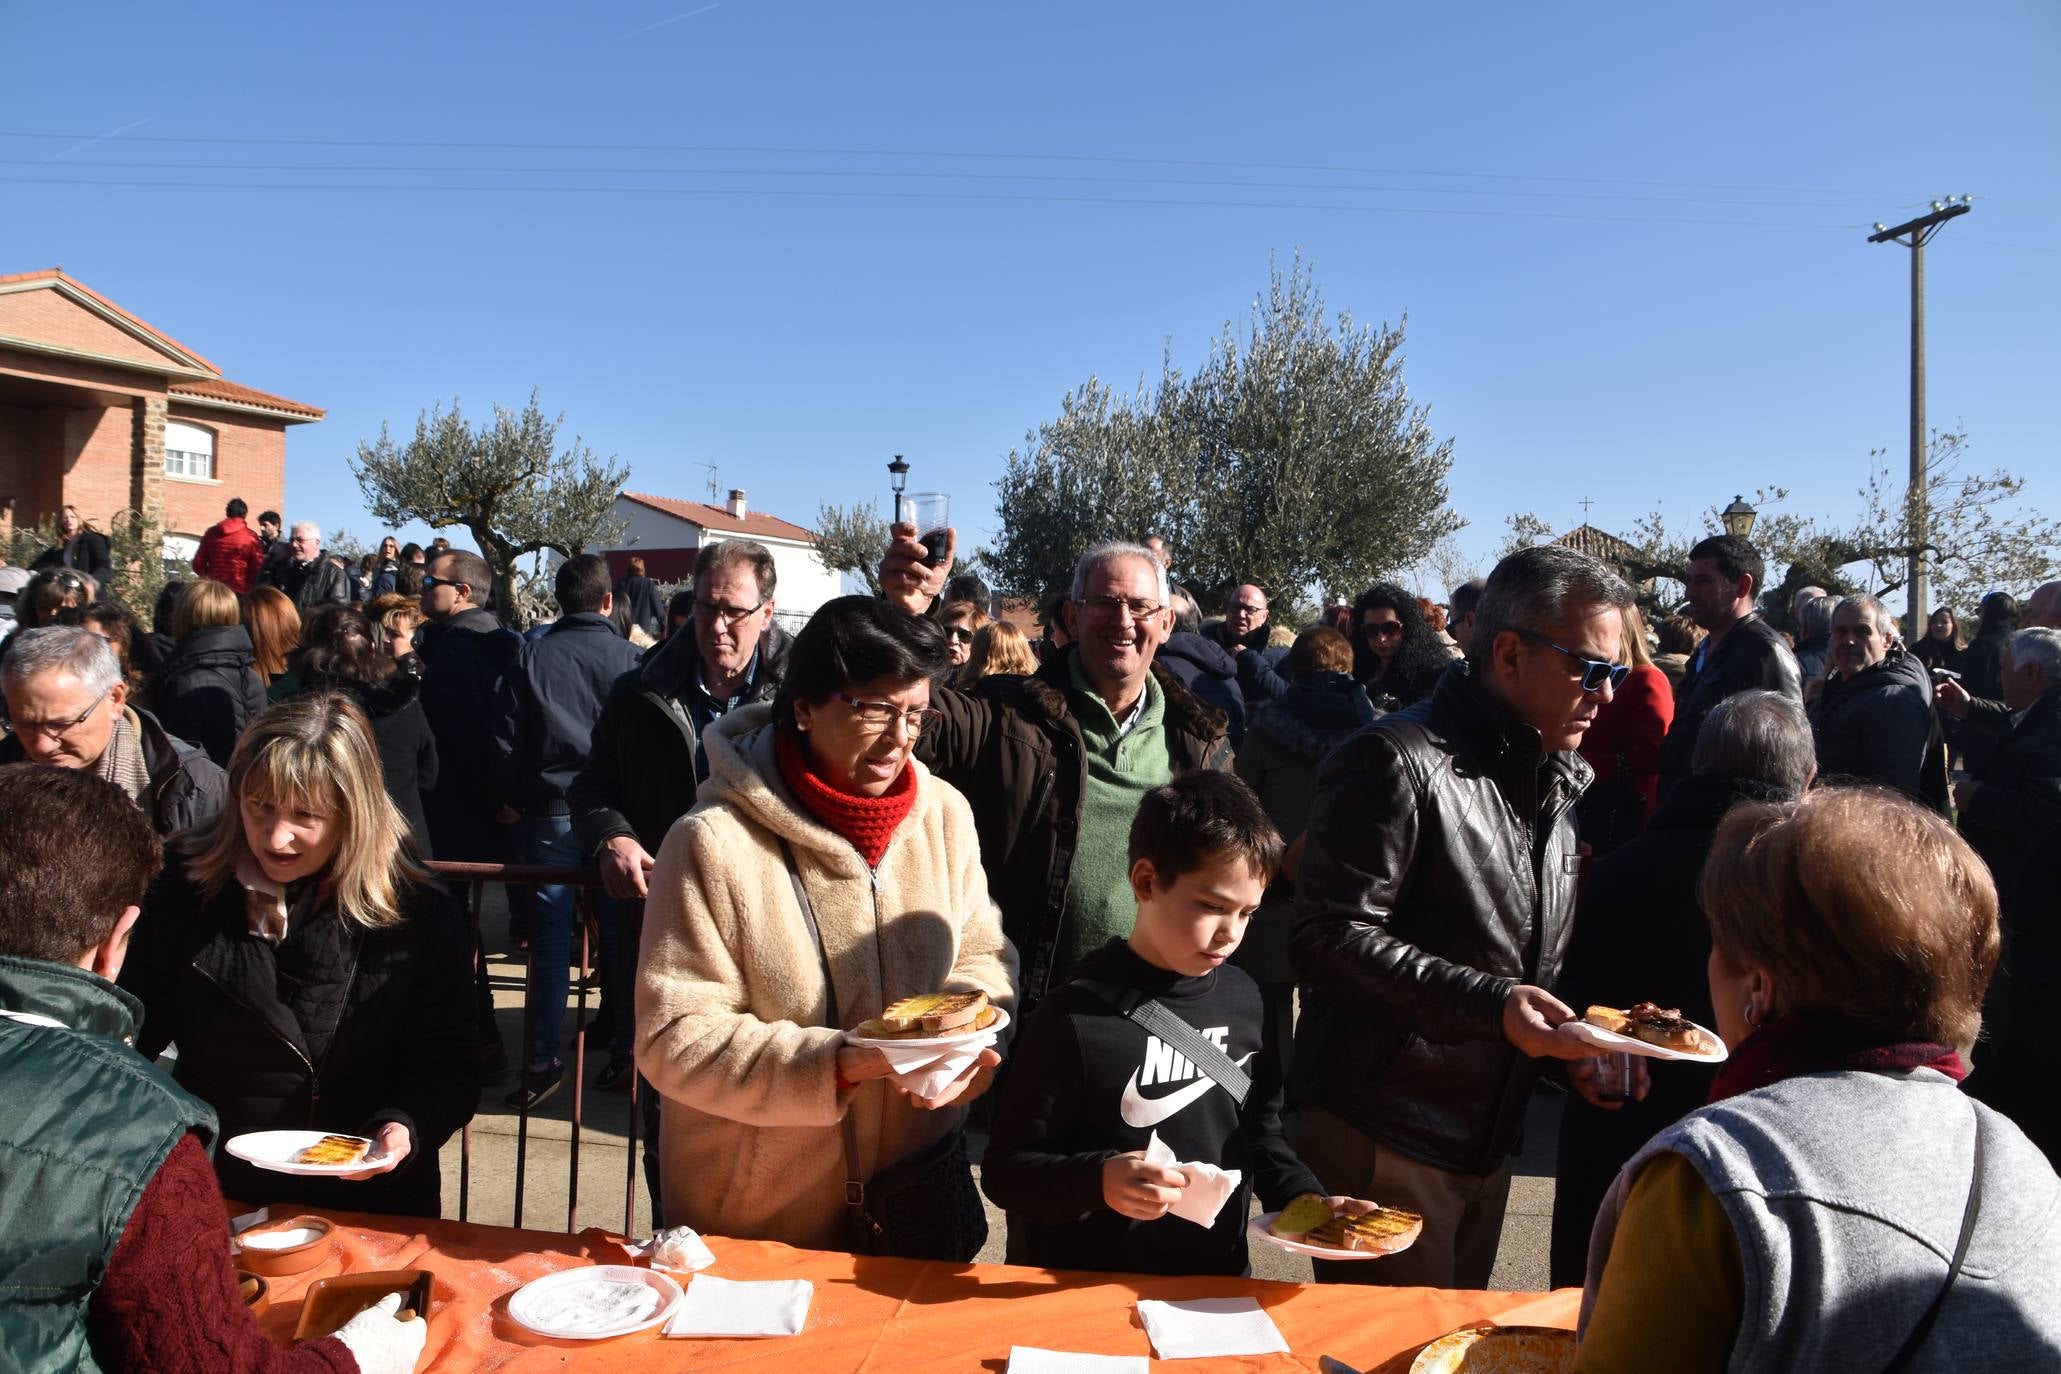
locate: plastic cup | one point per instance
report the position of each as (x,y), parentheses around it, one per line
(931,513)
(1613,1077)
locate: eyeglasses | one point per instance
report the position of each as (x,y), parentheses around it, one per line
(1595,672)
(728,615)
(960,633)
(1111,607)
(1242,608)
(60,729)
(1382,629)
(878,716)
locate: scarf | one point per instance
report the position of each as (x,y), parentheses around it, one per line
(121,763)
(265,903)
(1818,1040)
(867,822)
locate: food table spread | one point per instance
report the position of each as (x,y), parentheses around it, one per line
(904,1316)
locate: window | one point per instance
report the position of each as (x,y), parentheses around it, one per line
(189,451)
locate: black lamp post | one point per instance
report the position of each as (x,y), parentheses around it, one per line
(898,478)
(1738,518)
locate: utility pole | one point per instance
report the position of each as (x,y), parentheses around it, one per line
(1914,235)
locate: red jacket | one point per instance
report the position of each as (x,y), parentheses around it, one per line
(1624,743)
(231,553)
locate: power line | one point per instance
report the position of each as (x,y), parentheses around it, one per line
(793,150)
(476,169)
(857,194)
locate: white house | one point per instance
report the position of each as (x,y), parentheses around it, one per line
(668,534)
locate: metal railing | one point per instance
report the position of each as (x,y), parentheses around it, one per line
(583,881)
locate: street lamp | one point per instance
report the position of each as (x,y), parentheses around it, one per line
(898,478)
(1738,518)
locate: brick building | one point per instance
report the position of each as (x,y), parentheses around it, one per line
(103,411)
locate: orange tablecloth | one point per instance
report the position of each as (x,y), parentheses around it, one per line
(880,1316)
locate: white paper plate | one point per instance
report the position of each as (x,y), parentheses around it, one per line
(1264,1220)
(274,1150)
(1001,1023)
(1610,1042)
(594,1303)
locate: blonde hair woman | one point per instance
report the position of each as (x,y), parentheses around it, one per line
(208,688)
(311,973)
(998,647)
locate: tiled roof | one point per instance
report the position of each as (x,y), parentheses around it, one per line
(1596,543)
(717,518)
(237,394)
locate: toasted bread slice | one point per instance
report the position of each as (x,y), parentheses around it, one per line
(879,1028)
(1381,1231)
(334,1149)
(1610,1019)
(934,1012)
(1303,1214)
(1664,1026)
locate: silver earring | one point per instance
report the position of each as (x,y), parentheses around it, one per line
(1750,1009)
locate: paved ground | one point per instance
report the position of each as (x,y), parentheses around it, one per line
(604,1160)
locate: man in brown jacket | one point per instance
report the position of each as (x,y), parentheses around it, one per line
(1055,764)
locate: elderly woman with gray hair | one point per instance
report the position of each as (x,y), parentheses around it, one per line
(67,706)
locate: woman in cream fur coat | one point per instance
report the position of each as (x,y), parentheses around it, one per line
(733,1026)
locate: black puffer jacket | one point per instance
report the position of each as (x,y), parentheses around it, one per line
(641,772)
(2020,793)
(1013,746)
(1752,655)
(208,689)
(1207,669)
(336,1029)
(464,660)
(1438,873)
(1879,726)
(407,749)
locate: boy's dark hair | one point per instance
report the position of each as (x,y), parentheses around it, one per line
(857,639)
(74,853)
(236,509)
(582,584)
(1735,558)
(463,565)
(1465,598)
(1201,816)
(269,517)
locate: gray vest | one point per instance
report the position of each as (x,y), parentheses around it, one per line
(84,1125)
(1846,1191)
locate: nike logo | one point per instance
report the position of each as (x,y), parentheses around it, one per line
(1141,1111)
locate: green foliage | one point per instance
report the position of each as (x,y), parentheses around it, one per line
(136,547)
(849,539)
(1522,531)
(1293,459)
(506,482)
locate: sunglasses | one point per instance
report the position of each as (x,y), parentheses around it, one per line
(960,633)
(1382,629)
(1595,672)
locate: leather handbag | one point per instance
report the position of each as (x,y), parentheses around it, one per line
(925,1207)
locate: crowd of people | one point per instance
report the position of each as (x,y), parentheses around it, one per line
(1376,865)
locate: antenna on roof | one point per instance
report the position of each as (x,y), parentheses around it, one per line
(715,489)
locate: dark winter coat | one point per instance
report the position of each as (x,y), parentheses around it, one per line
(315,585)
(1639,936)
(2020,793)
(639,596)
(1752,655)
(187,788)
(1013,746)
(87,552)
(544,721)
(1880,726)
(643,765)
(464,661)
(383,579)
(1981,667)
(407,748)
(1208,670)
(1283,746)
(209,690)
(337,1028)
(1437,874)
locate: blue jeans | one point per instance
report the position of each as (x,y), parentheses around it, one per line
(548,840)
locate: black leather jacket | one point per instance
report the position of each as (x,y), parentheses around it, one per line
(1438,873)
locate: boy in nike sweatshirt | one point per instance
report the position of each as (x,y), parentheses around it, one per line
(1088,1086)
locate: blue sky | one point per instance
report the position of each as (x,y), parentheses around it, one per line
(1629,238)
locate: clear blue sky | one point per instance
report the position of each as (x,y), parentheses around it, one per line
(1629,239)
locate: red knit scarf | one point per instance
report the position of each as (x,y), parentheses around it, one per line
(868,822)
(1818,1041)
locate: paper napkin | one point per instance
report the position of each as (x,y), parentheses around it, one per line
(1210,1326)
(1209,1187)
(726,1307)
(1028,1359)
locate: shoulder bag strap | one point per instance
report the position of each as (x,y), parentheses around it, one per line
(1969,1215)
(854,1188)
(1203,1053)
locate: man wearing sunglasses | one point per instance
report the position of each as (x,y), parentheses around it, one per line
(1742,652)
(1055,764)
(1434,904)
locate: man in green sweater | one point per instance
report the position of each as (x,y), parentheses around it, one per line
(1055,764)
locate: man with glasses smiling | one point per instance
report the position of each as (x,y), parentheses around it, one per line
(1434,903)
(1055,764)
(68,707)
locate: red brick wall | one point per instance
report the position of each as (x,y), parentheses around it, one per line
(97,444)
(31,440)
(250,461)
